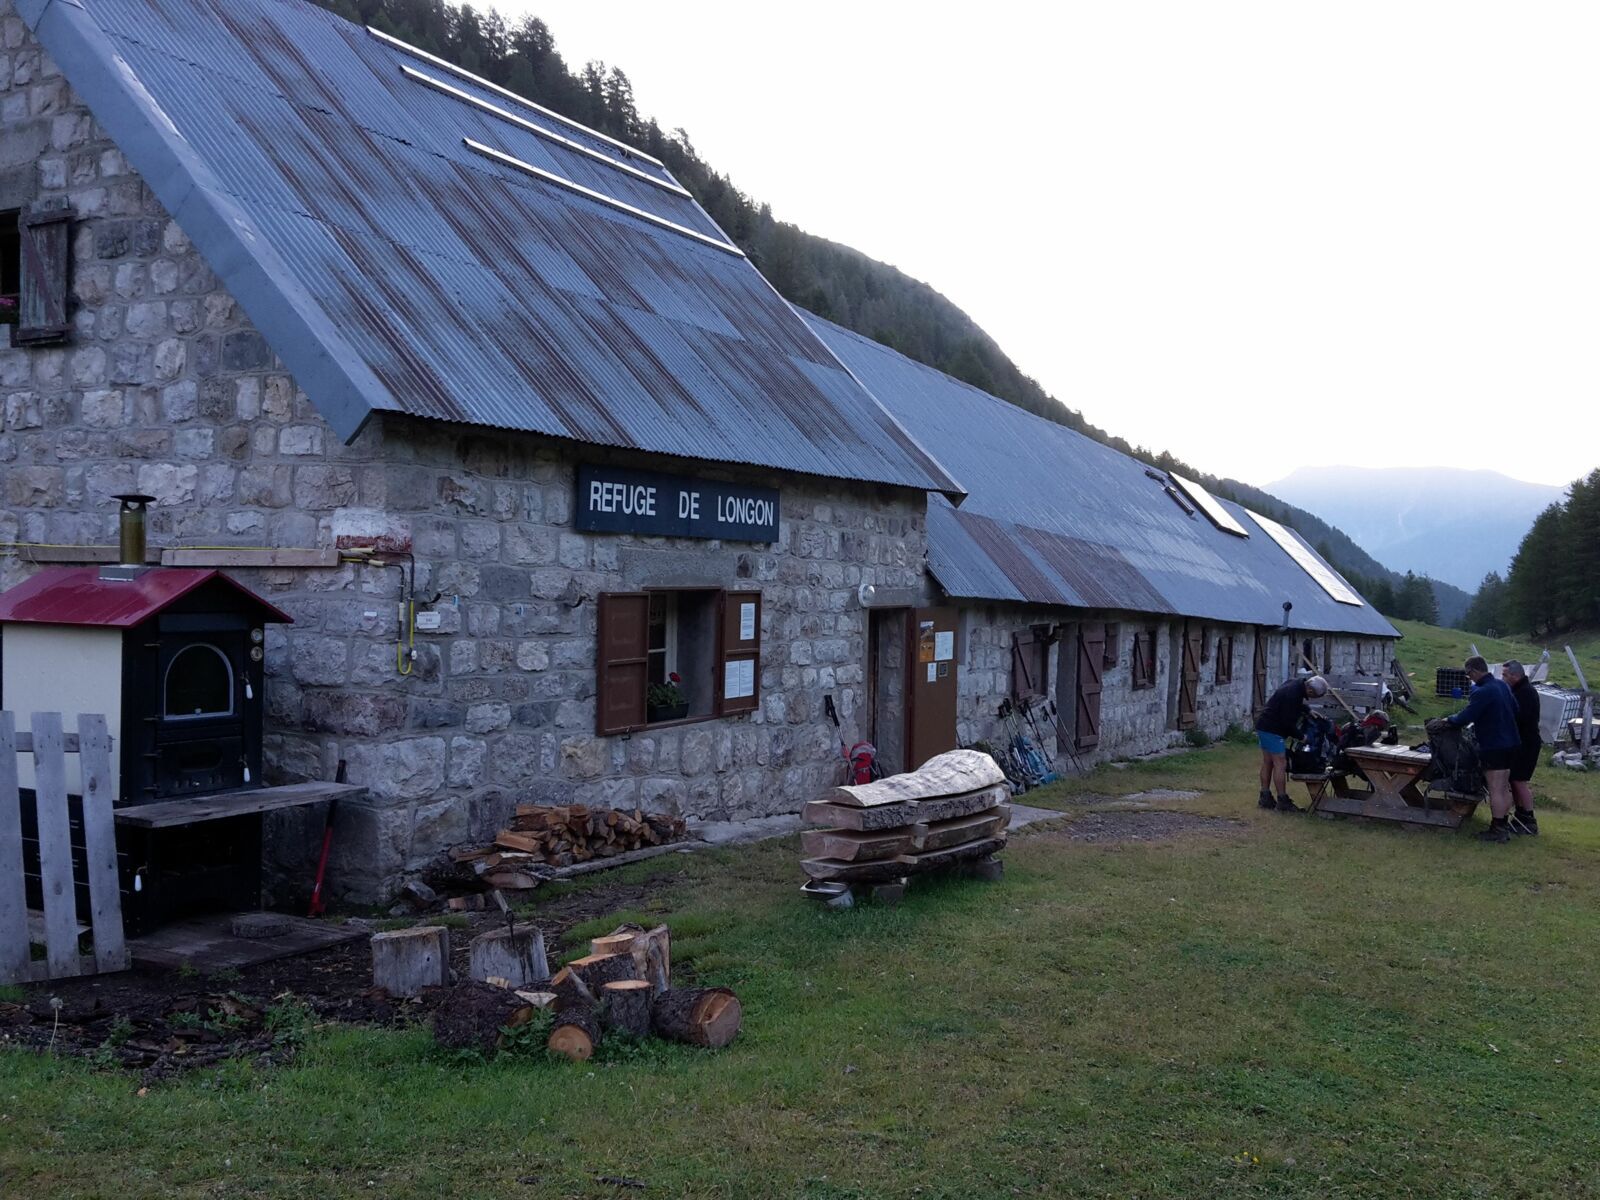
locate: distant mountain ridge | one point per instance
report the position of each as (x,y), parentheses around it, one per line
(1451,523)
(832,280)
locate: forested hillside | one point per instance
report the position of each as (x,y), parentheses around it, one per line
(1554,581)
(831,280)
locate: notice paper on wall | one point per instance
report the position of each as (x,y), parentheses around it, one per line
(739,678)
(747,621)
(944,646)
(933,672)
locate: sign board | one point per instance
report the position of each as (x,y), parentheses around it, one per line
(619,500)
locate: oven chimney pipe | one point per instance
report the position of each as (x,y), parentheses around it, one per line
(130,539)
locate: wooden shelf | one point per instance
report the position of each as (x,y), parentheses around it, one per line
(168,814)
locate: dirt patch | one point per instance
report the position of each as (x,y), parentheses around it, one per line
(1142,827)
(164,1022)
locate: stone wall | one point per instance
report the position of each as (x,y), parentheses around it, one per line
(166,388)
(1132,720)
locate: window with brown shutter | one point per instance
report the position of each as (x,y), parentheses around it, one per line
(739,658)
(1144,658)
(1225,659)
(676,655)
(1113,647)
(1030,666)
(44,262)
(1205,643)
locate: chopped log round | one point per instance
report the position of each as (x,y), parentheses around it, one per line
(699,1016)
(471,1016)
(625,1007)
(599,970)
(575,1035)
(618,941)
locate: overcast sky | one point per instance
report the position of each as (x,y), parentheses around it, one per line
(1260,235)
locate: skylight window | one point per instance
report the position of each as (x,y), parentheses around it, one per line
(510,160)
(1307,561)
(1220,517)
(495,110)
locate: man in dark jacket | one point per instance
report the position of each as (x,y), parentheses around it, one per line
(1278,720)
(1527,756)
(1492,713)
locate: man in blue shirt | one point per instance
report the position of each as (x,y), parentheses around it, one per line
(1492,713)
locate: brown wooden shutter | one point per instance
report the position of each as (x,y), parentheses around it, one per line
(1327,654)
(1113,633)
(1205,644)
(739,662)
(1027,667)
(623,659)
(1189,679)
(1225,659)
(1091,661)
(44,266)
(1258,679)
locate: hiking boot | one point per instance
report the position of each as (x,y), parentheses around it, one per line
(1524,823)
(1497,832)
(1266,800)
(1285,804)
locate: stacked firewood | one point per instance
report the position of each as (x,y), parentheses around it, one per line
(950,811)
(560,835)
(624,986)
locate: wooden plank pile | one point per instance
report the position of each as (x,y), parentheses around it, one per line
(949,812)
(561,835)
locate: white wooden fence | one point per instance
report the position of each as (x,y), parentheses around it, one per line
(57,927)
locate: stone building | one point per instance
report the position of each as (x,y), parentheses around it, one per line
(489,406)
(505,483)
(1134,604)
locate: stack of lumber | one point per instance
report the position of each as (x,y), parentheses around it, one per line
(560,835)
(951,810)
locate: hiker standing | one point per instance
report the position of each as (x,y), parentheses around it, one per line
(1492,713)
(1527,756)
(1278,720)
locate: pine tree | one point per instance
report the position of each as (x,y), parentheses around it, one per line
(1487,612)
(1532,603)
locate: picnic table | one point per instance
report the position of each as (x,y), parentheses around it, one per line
(1395,790)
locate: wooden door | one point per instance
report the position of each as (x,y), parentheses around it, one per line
(1189,676)
(932,690)
(1258,672)
(1091,662)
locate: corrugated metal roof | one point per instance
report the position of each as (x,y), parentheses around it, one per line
(1054,517)
(393,268)
(78,596)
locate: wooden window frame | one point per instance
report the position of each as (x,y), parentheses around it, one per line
(1113,649)
(1224,671)
(622,658)
(44,287)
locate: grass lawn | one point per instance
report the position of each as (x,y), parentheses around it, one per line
(1426,647)
(1285,1006)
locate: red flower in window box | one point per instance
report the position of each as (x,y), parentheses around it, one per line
(10,309)
(666,701)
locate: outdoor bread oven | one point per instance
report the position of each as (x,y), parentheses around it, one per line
(174,659)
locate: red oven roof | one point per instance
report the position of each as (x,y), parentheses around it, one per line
(78,596)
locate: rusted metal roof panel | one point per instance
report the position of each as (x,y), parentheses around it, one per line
(78,596)
(1054,517)
(394,268)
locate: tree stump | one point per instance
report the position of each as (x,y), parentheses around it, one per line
(575,1035)
(699,1016)
(515,954)
(472,1015)
(404,961)
(625,1007)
